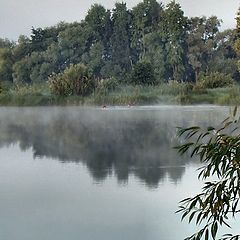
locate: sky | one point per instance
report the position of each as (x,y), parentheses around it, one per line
(18,16)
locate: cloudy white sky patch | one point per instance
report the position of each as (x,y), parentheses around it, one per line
(18,16)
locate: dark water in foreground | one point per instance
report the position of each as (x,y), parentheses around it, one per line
(94,174)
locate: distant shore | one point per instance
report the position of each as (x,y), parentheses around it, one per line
(39,95)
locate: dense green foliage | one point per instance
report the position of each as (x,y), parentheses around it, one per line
(143,74)
(148,45)
(105,86)
(113,42)
(215,80)
(219,151)
(75,80)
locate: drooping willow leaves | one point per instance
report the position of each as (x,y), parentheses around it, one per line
(219,152)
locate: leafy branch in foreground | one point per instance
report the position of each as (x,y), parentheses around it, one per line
(219,152)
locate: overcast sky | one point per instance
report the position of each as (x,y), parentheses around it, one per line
(18,16)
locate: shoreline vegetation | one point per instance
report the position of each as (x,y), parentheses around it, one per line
(150,54)
(125,95)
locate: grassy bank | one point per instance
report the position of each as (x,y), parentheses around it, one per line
(39,95)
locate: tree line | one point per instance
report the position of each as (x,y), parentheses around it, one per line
(150,37)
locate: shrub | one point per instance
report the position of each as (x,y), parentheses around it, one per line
(142,74)
(176,87)
(30,89)
(5,86)
(75,80)
(214,80)
(106,85)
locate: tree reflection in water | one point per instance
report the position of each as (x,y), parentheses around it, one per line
(109,142)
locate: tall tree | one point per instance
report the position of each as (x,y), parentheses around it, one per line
(173,30)
(22,48)
(224,57)
(73,42)
(42,38)
(99,21)
(120,41)
(94,58)
(146,17)
(37,39)
(202,42)
(96,19)
(237,42)
(21,71)
(6,43)
(155,54)
(6,63)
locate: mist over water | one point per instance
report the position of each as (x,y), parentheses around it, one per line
(92,173)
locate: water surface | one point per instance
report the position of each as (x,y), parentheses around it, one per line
(71,173)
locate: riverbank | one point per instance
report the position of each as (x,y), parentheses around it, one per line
(40,95)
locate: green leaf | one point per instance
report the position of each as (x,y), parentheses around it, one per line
(235,111)
(206,234)
(214,229)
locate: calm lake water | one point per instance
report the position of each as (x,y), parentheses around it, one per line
(69,173)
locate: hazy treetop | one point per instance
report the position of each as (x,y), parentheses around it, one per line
(17,17)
